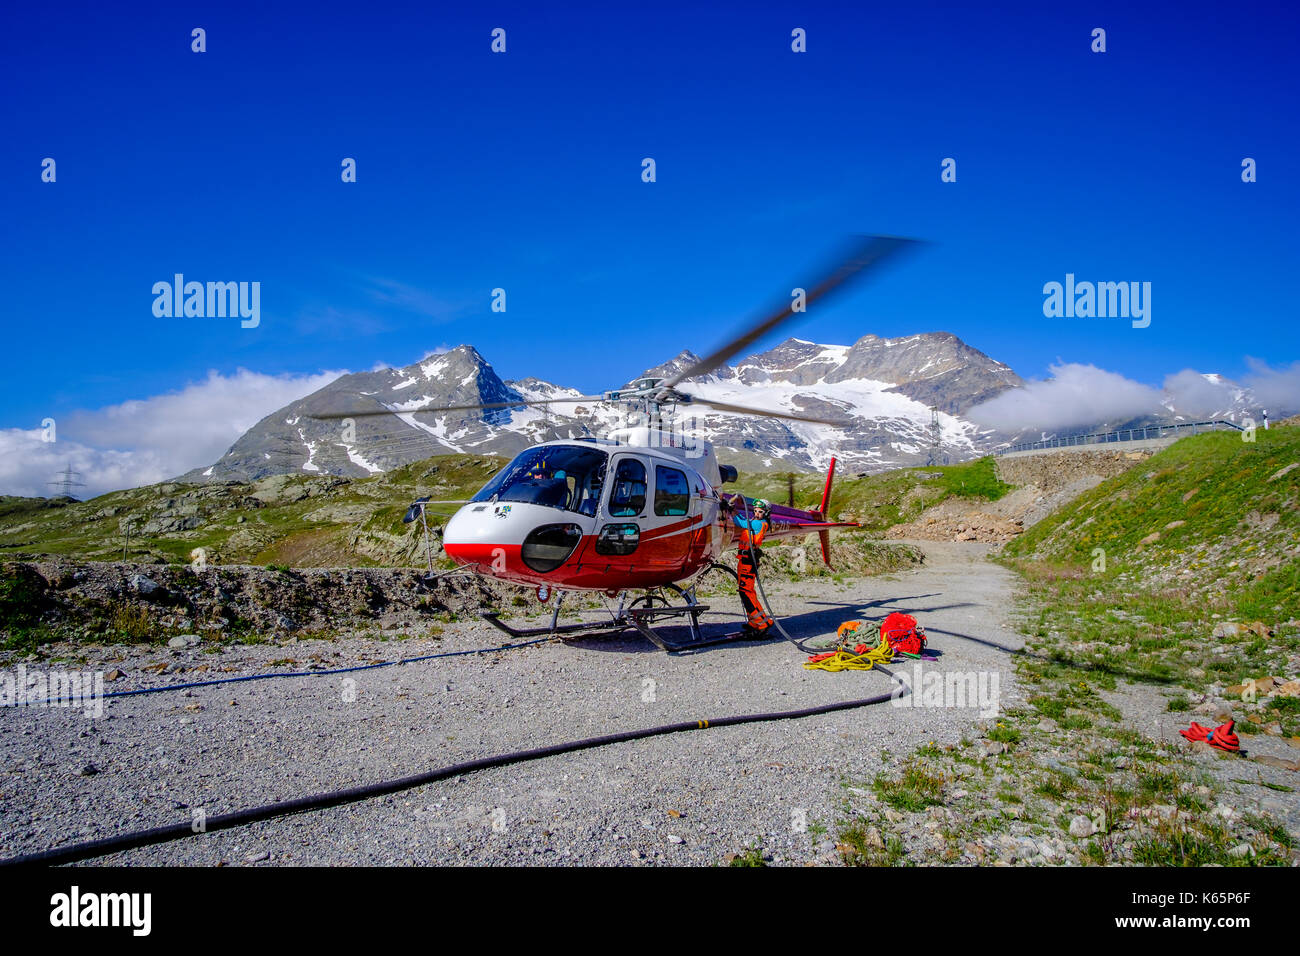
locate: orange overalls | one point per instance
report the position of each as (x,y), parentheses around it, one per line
(746,570)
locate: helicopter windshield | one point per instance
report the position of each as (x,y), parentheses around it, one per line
(558,476)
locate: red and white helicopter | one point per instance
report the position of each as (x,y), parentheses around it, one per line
(640,510)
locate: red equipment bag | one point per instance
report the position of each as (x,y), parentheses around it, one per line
(902,633)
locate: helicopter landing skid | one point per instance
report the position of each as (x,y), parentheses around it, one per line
(643,619)
(554,630)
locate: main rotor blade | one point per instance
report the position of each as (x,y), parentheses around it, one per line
(362,413)
(769,413)
(868,252)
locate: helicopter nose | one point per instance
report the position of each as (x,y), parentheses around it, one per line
(505,539)
(476,534)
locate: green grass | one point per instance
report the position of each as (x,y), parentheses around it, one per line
(131,624)
(20,596)
(1212,483)
(1265,783)
(1181,843)
(976,479)
(917,787)
(1271,829)
(1005,733)
(751,857)
(856,848)
(1055,785)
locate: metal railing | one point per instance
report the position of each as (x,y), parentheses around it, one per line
(1122,435)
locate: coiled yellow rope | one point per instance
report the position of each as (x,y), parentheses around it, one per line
(879,652)
(846,661)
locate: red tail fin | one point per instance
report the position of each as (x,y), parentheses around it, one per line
(825,536)
(826,492)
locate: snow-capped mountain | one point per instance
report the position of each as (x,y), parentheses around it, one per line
(884,387)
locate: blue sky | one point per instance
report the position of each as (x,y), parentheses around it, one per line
(522,171)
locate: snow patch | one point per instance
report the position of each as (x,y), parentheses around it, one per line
(309,464)
(355,457)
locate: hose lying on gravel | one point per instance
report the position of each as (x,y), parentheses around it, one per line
(141,838)
(337,670)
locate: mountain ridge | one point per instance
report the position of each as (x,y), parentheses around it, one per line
(885,387)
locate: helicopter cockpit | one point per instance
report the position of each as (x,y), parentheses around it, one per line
(568,477)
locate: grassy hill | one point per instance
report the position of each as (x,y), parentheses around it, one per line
(1184,571)
(881,501)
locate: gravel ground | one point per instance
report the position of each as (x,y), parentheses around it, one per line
(684,799)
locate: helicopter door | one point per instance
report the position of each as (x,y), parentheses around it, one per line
(618,537)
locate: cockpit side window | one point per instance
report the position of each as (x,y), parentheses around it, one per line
(627,497)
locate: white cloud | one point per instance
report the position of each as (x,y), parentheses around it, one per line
(1075,395)
(28,465)
(147,440)
(1084,395)
(1276,389)
(1196,396)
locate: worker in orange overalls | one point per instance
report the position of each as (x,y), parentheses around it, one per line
(753,526)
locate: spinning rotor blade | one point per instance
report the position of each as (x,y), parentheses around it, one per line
(766,412)
(868,252)
(362,413)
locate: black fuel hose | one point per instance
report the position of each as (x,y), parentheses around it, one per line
(129,841)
